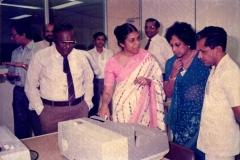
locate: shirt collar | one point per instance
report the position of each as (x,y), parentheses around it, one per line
(95,49)
(30,44)
(57,54)
(155,37)
(223,61)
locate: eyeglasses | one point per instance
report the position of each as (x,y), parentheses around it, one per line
(13,35)
(150,27)
(70,43)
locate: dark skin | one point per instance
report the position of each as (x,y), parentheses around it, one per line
(64,42)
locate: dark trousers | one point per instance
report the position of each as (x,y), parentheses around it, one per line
(51,115)
(25,120)
(98,86)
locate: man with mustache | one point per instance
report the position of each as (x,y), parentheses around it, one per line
(48,36)
(65,78)
(156,44)
(219,127)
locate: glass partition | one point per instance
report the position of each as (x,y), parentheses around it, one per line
(86,16)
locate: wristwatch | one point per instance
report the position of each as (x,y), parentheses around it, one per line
(24,65)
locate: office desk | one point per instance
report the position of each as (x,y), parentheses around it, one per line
(46,146)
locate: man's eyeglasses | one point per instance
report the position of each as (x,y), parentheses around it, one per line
(70,43)
(13,35)
(150,27)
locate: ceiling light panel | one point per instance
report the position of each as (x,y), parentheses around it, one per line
(66,5)
(22,16)
(20,6)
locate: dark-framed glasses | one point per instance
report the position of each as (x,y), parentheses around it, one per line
(70,43)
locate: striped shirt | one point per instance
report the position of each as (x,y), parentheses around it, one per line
(22,55)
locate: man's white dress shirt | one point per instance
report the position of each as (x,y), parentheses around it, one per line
(44,43)
(46,70)
(100,60)
(22,55)
(160,49)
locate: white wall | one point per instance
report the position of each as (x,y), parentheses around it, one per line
(6,96)
(222,13)
(117,14)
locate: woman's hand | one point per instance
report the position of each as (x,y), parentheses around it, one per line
(177,66)
(104,112)
(142,81)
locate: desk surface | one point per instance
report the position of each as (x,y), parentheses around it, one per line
(46,146)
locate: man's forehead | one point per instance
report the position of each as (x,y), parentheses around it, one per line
(65,34)
(100,37)
(49,27)
(201,42)
(149,24)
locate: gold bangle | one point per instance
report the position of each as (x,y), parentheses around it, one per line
(172,79)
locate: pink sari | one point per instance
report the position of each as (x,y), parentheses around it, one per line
(133,103)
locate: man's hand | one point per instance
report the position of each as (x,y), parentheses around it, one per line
(15,64)
(11,76)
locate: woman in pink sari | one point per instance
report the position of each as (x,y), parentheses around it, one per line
(138,96)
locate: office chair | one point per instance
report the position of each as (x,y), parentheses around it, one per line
(178,152)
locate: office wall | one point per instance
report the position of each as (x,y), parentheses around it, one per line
(223,13)
(6,95)
(117,13)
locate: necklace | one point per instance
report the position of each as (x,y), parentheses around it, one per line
(189,57)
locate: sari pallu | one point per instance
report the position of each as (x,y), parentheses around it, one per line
(133,103)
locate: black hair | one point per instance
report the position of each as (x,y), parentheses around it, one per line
(184,32)
(215,36)
(22,27)
(121,32)
(157,24)
(63,26)
(99,34)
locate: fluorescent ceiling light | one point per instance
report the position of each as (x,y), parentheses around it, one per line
(66,5)
(20,6)
(22,16)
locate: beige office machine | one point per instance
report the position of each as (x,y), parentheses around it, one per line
(11,148)
(96,138)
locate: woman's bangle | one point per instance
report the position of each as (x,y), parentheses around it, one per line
(172,79)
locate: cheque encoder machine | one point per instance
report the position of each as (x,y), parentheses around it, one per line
(96,138)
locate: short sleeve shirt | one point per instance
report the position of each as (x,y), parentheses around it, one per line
(219,131)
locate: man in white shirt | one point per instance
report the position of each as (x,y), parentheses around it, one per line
(47,35)
(100,56)
(65,80)
(219,127)
(25,121)
(158,46)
